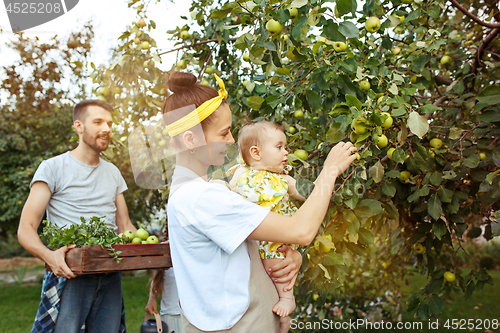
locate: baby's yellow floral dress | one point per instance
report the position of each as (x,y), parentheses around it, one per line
(268,190)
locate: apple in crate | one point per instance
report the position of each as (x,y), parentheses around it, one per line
(152,239)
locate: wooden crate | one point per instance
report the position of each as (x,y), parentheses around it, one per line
(92,259)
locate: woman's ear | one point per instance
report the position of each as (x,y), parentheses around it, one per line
(189,140)
(255,153)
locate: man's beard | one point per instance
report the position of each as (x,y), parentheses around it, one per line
(92,141)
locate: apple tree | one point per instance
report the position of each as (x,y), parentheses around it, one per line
(414,84)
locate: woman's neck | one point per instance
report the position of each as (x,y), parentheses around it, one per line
(187,160)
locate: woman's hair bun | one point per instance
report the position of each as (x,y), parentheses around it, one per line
(180,81)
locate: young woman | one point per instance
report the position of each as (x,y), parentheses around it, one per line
(222,284)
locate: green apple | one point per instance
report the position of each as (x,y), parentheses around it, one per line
(182,64)
(293,12)
(136,240)
(432,153)
(372,24)
(382,141)
(388,121)
(144,242)
(445,60)
(137,40)
(389,153)
(284,37)
(364,85)
(209,70)
(398,30)
(184,34)
(291,130)
(358,127)
(413,79)
(401,18)
(419,248)
(141,23)
(145,45)
(436,143)
(101,98)
(302,154)
(162,143)
(449,276)
(274,27)
(204,82)
(298,114)
(353,137)
(396,51)
(482,156)
(142,234)
(152,239)
(104,91)
(404,176)
(246,56)
(129,235)
(315,297)
(339,46)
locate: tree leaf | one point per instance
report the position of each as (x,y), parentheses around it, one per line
(298,3)
(255,102)
(436,178)
(365,236)
(445,195)
(418,124)
(388,189)
(297,28)
(313,99)
(439,228)
(436,305)
(474,232)
(333,258)
(472,161)
(434,207)
(348,29)
(377,172)
(345,6)
(353,100)
(327,275)
(429,108)
(334,133)
(490,95)
(350,217)
(455,133)
(368,208)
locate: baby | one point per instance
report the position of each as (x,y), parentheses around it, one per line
(263,180)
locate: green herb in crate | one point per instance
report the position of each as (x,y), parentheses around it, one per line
(91,232)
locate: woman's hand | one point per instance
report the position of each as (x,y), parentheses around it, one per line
(339,158)
(288,269)
(152,306)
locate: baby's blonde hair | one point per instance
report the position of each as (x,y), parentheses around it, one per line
(253,134)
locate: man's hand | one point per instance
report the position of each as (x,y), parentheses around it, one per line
(57,262)
(288,269)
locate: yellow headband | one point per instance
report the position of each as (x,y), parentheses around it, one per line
(200,113)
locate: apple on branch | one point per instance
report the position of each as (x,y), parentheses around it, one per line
(372,24)
(339,46)
(274,27)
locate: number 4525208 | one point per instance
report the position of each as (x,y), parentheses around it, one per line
(471,324)
(34,8)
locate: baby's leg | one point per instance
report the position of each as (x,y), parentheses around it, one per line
(286,304)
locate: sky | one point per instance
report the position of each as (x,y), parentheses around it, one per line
(110,18)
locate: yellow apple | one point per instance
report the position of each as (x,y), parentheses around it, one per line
(358,127)
(382,141)
(364,85)
(274,27)
(389,153)
(388,121)
(436,143)
(372,24)
(339,46)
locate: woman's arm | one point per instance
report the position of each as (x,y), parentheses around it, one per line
(302,227)
(287,269)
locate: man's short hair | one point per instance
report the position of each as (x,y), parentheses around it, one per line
(80,110)
(253,134)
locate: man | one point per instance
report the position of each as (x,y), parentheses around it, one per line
(74,184)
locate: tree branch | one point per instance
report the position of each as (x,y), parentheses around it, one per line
(195,44)
(482,46)
(474,17)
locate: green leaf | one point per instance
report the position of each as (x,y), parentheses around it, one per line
(345,6)
(255,102)
(419,62)
(418,124)
(377,172)
(472,161)
(368,208)
(429,108)
(365,236)
(331,31)
(495,229)
(445,195)
(333,258)
(436,178)
(298,3)
(353,226)
(388,189)
(490,95)
(436,305)
(334,133)
(434,207)
(439,228)
(268,45)
(348,29)
(455,133)
(474,232)
(284,71)
(489,116)
(297,29)
(353,100)
(399,155)
(349,65)
(313,99)
(356,249)
(304,187)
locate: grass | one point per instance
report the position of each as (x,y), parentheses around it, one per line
(20,303)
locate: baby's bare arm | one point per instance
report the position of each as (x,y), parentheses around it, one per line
(292,188)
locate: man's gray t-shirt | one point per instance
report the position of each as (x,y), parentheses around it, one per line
(79,189)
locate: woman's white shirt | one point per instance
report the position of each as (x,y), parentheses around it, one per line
(208,225)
